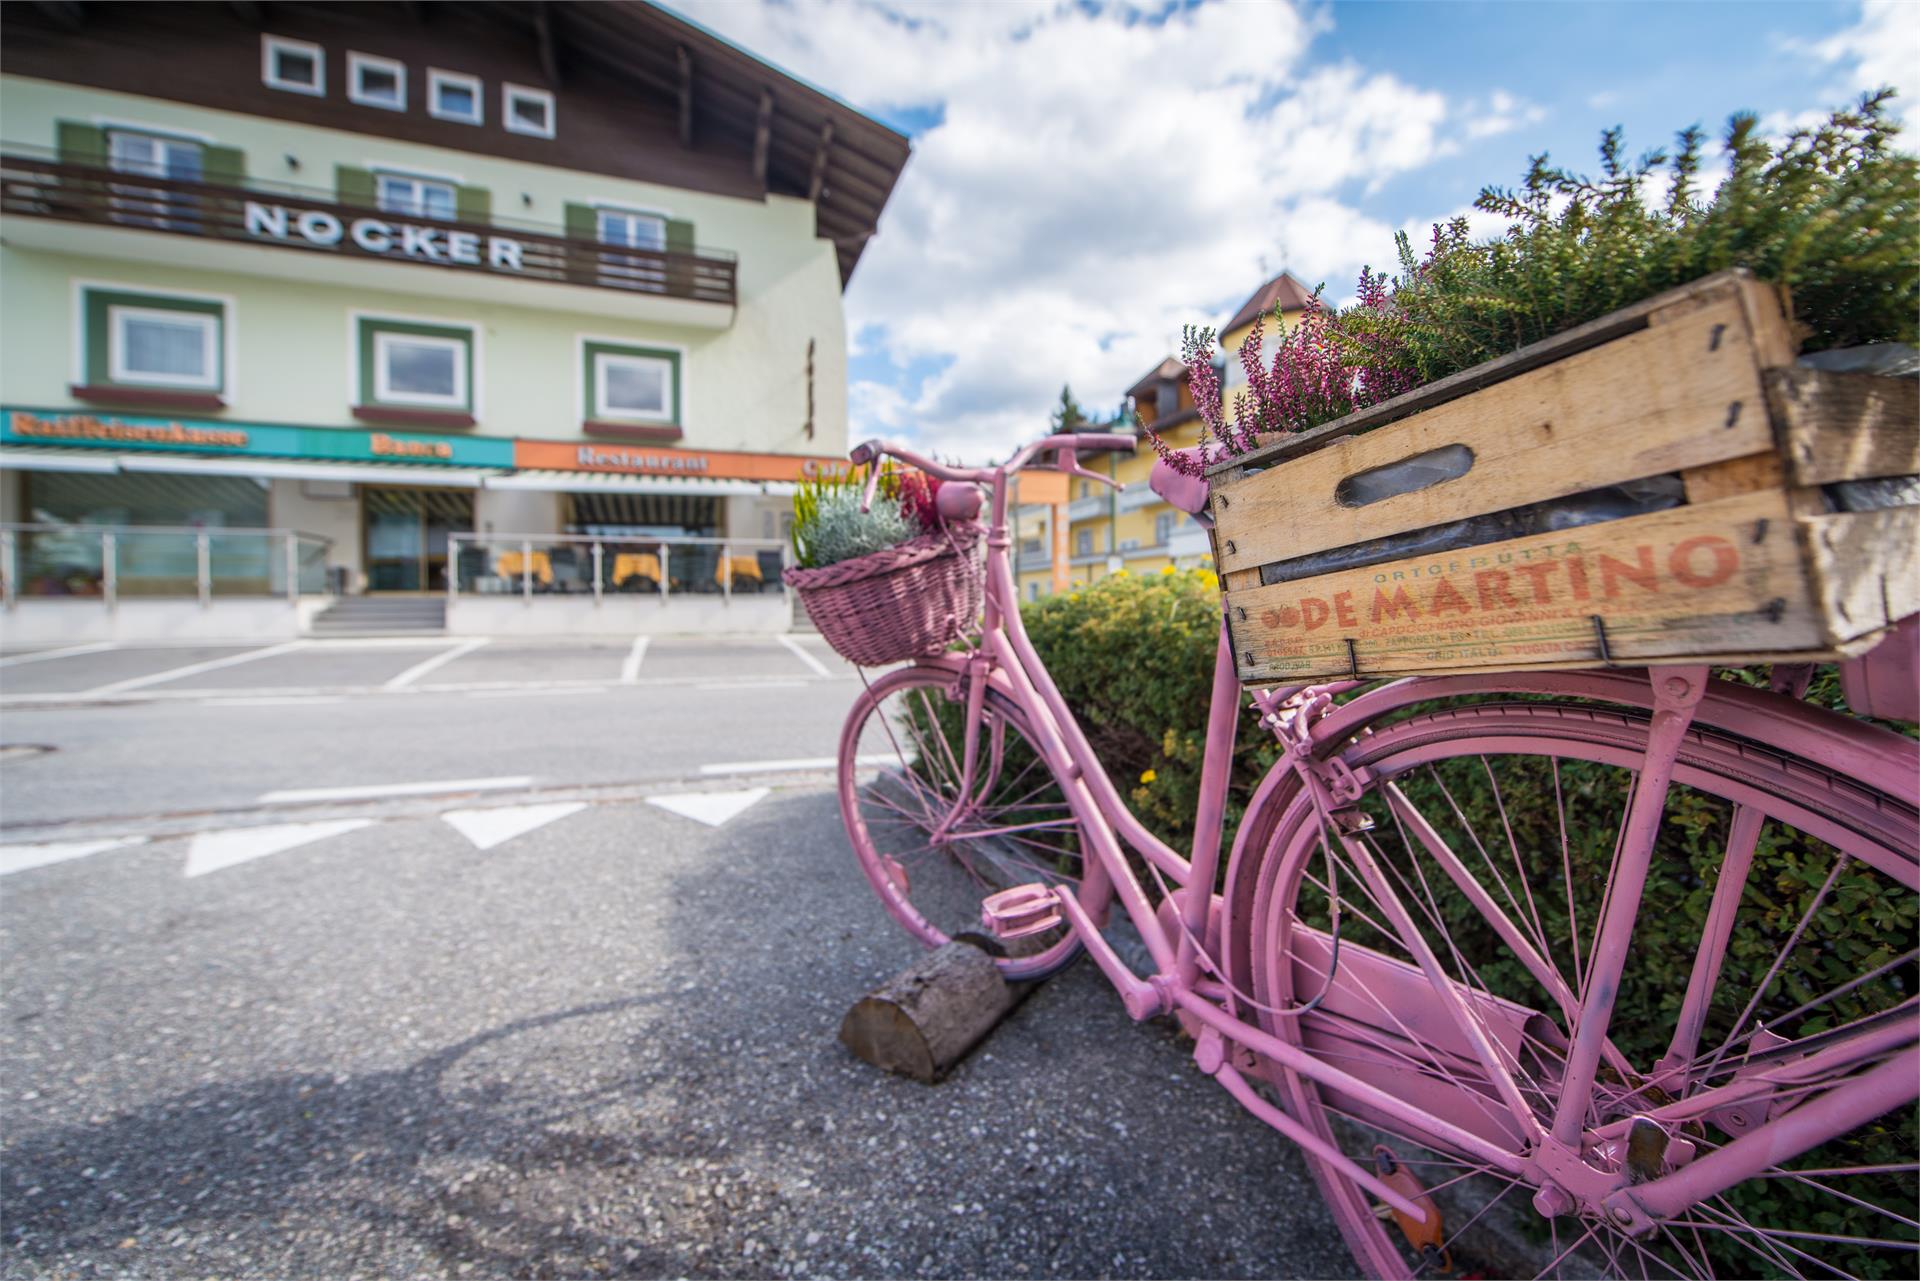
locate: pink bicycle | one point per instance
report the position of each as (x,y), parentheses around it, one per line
(1427,959)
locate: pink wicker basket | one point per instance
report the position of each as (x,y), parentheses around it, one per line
(910,601)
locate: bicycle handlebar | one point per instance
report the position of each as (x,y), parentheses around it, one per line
(1063,445)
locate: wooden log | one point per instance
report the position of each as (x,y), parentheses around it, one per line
(924,1020)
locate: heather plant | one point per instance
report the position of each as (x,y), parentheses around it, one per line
(1830,212)
(838,530)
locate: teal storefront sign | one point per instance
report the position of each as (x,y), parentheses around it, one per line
(262,440)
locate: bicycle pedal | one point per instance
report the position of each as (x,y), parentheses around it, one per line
(1018,912)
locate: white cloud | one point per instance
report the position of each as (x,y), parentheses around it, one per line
(1882,48)
(1097,180)
(1502,113)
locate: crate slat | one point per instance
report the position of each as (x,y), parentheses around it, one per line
(1719,577)
(1695,394)
(1866,568)
(1837,426)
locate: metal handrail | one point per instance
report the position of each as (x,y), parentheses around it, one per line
(109,536)
(55,527)
(596,544)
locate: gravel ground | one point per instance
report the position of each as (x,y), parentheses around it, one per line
(604,1048)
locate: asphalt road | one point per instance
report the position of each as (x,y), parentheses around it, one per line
(280,1004)
(329,715)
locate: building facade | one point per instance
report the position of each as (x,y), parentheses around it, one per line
(457,293)
(1131,530)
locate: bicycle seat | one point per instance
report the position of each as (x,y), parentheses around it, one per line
(1188,493)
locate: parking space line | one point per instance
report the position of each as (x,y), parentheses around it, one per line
(194,669)
(819,668)
(375,791)
(439,660)
(630,670)
(759,684)
(45,654)
(787,766)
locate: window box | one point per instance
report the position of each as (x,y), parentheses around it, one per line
(455,96)
(376,82)
(295,66)
(660,434)
(630,386)
(415,372)
(527,111)
(159,349)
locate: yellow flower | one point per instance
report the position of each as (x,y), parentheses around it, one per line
(1147,776)
(1168,569)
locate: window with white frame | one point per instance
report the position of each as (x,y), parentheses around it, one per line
(1162,528)
(525,110)
(154,156)
(452,95)
(376,82)
(419,369)
(159,347)
(1083,543)
(413,197)
(637,387)
(297,66)
(631,230)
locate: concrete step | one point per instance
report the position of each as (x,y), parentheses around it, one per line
(378,616)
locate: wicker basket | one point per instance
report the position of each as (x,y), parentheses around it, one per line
(910,601)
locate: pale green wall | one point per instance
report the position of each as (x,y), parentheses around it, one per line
(744,387)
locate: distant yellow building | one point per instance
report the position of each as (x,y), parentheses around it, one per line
(1132,530)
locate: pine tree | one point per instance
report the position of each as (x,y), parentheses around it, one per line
(1067,415)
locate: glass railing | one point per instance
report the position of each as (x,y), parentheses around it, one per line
(108,562)
(535,566)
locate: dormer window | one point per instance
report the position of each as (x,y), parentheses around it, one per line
(528,111)
(296,66)
(454,96)
(376,82)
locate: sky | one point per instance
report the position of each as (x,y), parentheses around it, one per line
(1088,177)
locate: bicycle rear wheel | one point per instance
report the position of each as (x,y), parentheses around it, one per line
(1497,827)
(933,840)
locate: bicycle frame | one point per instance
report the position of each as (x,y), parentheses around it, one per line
(1192,981)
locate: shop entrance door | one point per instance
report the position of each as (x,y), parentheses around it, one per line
(406,536)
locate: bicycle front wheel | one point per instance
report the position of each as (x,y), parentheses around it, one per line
(937,829)
(1497,828)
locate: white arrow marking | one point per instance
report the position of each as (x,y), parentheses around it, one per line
(711,808)
(213,851)
(488,828)
(18,858)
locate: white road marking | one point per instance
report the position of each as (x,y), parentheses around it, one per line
(418,670)
(488,828)
(18,858)
(538,690)
(786,766)
(760,684)
(194,669)
(43,655)
(711,808)
(800,652)
(630,670)
(289,700)
(374,791)
(213,851)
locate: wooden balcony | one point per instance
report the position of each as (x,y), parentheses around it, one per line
(306,222)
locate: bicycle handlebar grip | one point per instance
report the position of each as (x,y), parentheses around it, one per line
(862,454)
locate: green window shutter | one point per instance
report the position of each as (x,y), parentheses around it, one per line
(582,222)
(679,236)
(80,144)
(473,204)
(224,165)
(354,186)
(679,273)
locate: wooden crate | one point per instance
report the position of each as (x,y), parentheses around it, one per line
(1699,383)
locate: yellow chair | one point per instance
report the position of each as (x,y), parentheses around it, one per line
(746,572)
(514,564)
(630,565)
